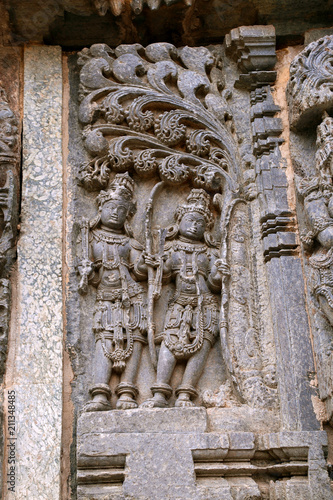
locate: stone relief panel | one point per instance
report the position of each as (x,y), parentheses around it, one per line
(310,100)
(169,311)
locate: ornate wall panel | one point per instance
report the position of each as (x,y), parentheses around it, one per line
(187,327)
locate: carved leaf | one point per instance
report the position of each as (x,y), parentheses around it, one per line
(154,101)
(172,171)
(145,163)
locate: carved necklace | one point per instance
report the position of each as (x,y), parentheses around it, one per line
(102,235)
(186,246)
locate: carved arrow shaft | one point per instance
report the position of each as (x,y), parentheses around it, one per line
(151,274)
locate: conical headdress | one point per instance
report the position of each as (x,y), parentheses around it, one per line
(197,201)
(121,188)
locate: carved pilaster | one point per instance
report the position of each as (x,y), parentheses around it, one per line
(253,48)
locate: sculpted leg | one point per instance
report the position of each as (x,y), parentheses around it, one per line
(126,390)
(193,371)
(161,389)
(102,372)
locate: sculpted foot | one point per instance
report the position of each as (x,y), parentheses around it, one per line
(97,406)
(126,403)
(155,403)
(184,401)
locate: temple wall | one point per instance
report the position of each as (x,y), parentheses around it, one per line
(250,151)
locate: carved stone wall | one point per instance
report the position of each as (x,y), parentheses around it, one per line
(163,317)
(165,133)
(168,322)
(310,105)
(10,129)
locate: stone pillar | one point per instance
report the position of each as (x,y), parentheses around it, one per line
(35,356)
(254,50)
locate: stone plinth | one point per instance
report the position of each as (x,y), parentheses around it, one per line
(170,454)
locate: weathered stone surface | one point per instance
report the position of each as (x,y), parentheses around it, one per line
(243,419)
(189,146)
(309,88)
(253,47)
(10,142)
(315,34)
(156,420)
(254,51)
(309,94)
(36,372)
(10,129)
(145,122)
(77,24)
(196,465)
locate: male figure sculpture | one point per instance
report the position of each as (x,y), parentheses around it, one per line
(192,320)
(120,322)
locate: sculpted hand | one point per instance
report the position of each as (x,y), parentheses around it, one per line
(85,267)
(222,267)
(150,260)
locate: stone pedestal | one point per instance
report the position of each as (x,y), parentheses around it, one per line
(192,453)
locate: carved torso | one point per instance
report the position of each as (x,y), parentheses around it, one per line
(190,265)
(112,256)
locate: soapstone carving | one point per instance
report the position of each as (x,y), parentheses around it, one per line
(191,323)
(309,89)
(309,95)
(157,114)
(9,158)
(120,322)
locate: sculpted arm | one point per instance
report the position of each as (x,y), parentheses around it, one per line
(319,218)
(137,261)
(218,268)
(88,267)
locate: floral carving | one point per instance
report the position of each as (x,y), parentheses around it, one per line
(310,88)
